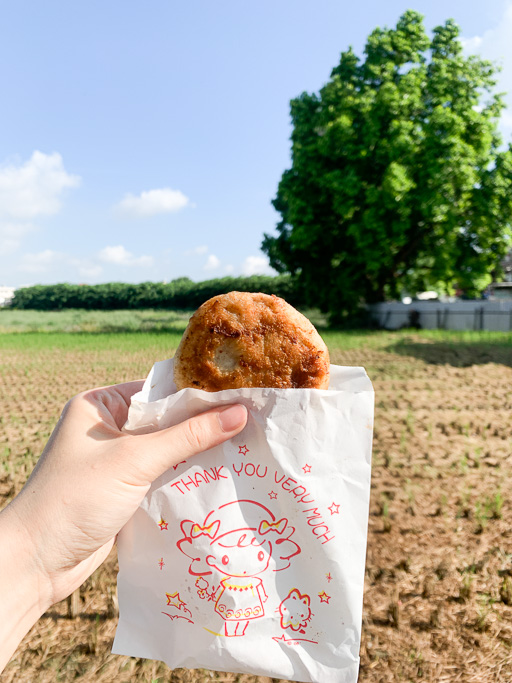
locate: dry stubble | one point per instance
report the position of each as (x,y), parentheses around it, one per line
(438,593)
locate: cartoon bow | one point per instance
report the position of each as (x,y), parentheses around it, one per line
(209,530)
(279,526)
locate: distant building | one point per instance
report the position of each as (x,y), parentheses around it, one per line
(503,289)
(6,294)
(506,264)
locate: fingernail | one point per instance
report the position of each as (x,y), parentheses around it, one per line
(232,417)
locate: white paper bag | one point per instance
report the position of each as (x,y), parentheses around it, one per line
(250,557)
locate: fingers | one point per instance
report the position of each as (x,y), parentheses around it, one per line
(122,392)
(108,405)
(116,400)
(161,450)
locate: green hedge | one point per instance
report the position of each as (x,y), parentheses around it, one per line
(177,294)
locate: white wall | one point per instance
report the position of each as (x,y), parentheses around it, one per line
(460,315)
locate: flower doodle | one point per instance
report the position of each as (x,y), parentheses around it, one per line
(237,543)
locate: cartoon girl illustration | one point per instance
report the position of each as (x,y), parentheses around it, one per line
(239,541)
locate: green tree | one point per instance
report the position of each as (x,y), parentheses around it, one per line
(399,179)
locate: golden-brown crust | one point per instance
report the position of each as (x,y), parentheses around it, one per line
(242,339)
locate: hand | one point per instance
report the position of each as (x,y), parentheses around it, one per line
(87,484)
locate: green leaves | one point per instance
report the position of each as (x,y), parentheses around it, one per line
(397,176)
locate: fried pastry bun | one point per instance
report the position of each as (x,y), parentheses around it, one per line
(242,339)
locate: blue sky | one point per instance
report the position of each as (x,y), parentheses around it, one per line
(145,140)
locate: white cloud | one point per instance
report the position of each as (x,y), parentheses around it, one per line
(85,267)
(495,44)
(120,256)
(471,44)
(152,202)
(229,269)
(34,188)
(90,271)
(506,119)
(212,263)
(11,235)
(60,263)
(257,265)
(27,190)
(197,251)
(41,262)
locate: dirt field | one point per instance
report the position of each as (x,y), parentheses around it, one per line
(438,594)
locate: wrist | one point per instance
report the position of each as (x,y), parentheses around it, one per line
(24,591)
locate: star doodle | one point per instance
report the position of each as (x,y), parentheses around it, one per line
(161,563)
(243,450)
(175,600)
(334,509)
(306,469)
(272,495)
(324,597)
(163,525)
(328,577)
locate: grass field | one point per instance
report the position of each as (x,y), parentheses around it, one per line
(438,586)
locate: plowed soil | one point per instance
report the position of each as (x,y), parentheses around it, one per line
(438,591)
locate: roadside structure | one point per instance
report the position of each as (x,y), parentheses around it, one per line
(6,294)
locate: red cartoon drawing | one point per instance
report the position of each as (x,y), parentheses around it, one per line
(239,541)
(293,641)
(295,611)
(174,600)
(324,597)
(202,586)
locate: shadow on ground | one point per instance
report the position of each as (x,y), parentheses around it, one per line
(457,354)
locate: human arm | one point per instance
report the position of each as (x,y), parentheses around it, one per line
(86,485)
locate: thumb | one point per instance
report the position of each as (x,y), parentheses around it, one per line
(167,447)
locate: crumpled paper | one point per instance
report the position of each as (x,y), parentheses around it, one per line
(250,557)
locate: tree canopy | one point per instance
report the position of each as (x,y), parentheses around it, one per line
(399,178)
